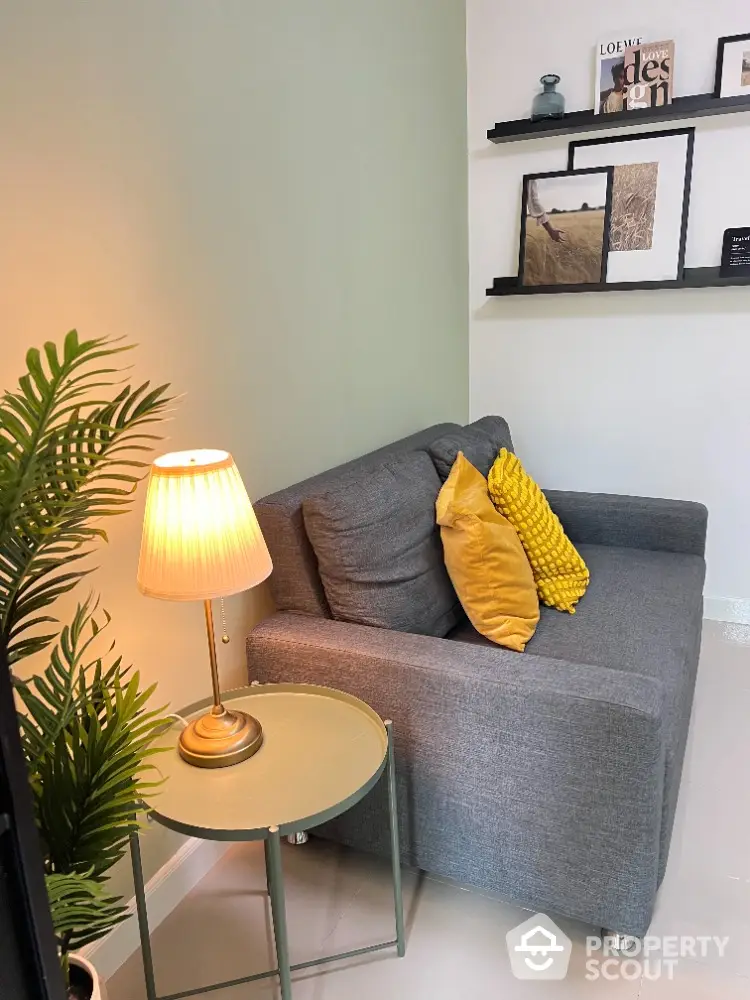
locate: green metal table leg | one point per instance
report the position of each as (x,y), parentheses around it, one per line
(278,910)
(395,846)
(266,851)
(140,902)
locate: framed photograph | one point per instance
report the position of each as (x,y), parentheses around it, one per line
(565,227)
(650,200)
(733,67)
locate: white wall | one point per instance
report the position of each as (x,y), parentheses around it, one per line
(640,392)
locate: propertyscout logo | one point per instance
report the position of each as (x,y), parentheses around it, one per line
(651,957)
(539,949)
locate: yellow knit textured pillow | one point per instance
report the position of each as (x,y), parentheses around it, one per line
(560,574)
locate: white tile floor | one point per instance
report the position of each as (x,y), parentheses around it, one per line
(338,900)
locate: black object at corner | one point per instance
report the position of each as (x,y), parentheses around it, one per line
(29,967)
(735,255)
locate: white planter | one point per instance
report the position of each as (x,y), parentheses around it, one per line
(99,991)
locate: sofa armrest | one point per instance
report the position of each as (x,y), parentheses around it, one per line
(605,714)
(632,522)
(563,761)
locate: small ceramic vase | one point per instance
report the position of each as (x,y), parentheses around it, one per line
(550,103)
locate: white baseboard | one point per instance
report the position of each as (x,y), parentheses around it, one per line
(164,892)
(727,609)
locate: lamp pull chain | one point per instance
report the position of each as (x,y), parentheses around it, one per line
(224,637)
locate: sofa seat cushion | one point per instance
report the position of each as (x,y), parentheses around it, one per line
(480,442)
(637,614)
(642,613)
(378,548)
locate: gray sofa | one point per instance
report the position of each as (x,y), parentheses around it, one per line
(549,777)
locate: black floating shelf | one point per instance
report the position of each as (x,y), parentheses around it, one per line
(693,277)
(696,106)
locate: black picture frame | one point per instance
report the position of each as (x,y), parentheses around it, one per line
(723,42)
(689,155)
(608,172)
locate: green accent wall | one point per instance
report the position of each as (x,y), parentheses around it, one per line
(270,197)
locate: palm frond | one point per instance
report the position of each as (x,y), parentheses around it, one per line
(65,457)
(88,735)
(52,698)
(82,910)
(73,444)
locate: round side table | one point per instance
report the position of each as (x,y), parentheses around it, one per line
(322,752)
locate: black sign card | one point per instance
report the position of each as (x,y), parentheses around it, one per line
(735,258)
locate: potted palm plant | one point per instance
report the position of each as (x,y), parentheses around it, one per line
(72,439)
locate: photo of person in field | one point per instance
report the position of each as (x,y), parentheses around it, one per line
(612,86)
(564,229)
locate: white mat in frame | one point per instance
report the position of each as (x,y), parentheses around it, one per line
(672,151)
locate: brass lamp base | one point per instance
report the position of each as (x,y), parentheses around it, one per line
(220,738)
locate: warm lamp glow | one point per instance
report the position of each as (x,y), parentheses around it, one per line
(201,538)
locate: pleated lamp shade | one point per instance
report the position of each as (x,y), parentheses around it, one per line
(201,538)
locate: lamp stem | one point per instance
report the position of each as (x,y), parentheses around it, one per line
(218,707)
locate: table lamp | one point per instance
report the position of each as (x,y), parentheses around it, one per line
(201,540)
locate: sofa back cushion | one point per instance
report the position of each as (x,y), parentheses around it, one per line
(480,442)
(378,549)
(295,582)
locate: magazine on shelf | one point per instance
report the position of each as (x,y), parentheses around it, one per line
(649,75)
(609,87)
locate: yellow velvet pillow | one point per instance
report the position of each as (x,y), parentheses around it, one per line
(485,560)
(561,575)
